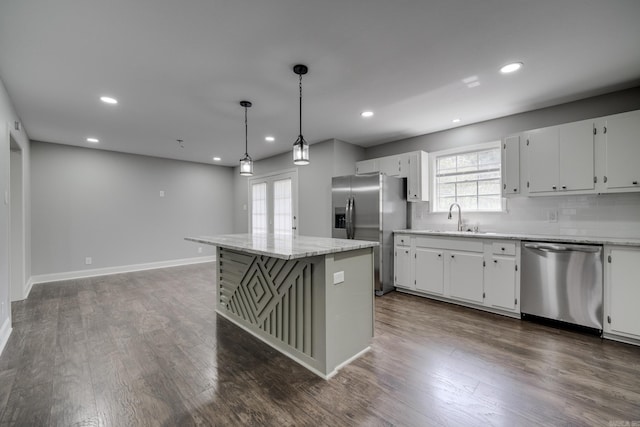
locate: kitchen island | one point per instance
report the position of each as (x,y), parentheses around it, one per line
(311,298)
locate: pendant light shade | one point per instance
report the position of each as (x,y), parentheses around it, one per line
(300,147)
(246,164)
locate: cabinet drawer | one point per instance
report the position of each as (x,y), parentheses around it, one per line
(402,240)
(504,248)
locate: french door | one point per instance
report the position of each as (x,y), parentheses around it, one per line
(273,203)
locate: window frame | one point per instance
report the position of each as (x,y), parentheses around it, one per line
(433,159)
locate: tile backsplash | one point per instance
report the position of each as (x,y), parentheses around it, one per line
(605,215)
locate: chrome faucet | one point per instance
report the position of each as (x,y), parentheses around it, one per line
(459,215)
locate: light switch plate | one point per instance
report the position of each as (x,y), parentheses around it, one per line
(161,193)
(338,277)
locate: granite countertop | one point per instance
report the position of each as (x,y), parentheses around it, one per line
(283,246)
(622,241)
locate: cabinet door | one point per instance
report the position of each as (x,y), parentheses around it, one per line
(418,177)
(429,270)
(367,166)
(511,165)
(576,165)
(623,290)
(466,275)
(542,153)
(402,265)
(390,165)
(622,136)
(500,283)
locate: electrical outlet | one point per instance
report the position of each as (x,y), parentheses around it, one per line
(88,261)
(199,249)
(161,193)
(552,215)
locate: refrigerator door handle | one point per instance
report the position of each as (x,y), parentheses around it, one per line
(349,215)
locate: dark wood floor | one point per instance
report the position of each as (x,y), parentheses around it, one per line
(147,349)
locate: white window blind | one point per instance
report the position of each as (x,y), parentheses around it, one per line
(471,179)
(259,208)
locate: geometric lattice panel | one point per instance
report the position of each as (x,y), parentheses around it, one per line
(270,293)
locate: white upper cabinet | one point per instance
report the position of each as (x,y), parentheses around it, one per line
(621,136)
(418,178)
(413,165)
(590,156)
(511,165)
(561,158)
(391,165)
(367,166)
(542,154)
(576,156)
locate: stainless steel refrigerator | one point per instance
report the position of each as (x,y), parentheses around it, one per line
(370,207)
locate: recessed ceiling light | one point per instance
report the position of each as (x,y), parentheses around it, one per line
(216,159)
(510,68)
(93,140)
(455,121)
(366,113)
(269,138)
(108,100)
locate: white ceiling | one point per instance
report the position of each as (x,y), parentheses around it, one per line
(180,68)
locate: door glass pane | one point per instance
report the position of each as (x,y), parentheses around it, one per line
(282,211)
(259,208)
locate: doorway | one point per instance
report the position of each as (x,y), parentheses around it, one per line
(273,203)
(16,222)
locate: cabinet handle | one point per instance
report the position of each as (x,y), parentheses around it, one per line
(515,189)
(554,187)
(635,182)
(451,256)
(495,261)
(439,255)
(564,187)
(406,252)
(502,249)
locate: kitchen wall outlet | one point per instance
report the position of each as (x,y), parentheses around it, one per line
(88,261)
(199,249)
(552,215)
(244,207)
(338,277)
(161,193)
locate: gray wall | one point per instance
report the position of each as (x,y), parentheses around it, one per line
(106,205)
(328,159)
(7,118)
(492,130)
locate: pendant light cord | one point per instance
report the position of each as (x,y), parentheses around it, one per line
(246,131)
(300,85)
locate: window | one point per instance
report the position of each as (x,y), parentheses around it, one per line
(470,178)
(273,203)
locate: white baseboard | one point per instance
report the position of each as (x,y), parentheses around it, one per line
(70,275)
(28,287)
(5,332)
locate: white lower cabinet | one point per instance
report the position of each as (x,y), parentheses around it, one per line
(622,293)
(465,276)
(477,272)
(501,283)
(403,267)
(429,270)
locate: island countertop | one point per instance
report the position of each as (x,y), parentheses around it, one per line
(283,246)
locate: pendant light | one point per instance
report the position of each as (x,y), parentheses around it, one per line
(246,164)
(300,147)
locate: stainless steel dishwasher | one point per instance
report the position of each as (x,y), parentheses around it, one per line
(562,282)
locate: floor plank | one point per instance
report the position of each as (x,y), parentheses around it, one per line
(147,349)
